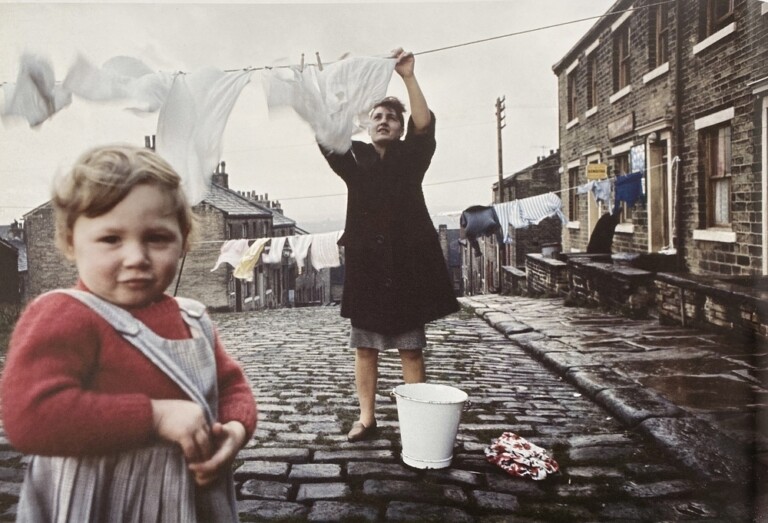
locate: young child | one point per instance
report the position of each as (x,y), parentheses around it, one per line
(124,396)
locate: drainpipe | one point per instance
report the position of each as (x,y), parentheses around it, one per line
(679,218)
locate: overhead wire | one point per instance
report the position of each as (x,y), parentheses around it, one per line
(319,64)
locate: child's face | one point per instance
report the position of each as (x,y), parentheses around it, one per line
(129,255)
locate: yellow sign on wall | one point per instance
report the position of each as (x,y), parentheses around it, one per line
(597,171)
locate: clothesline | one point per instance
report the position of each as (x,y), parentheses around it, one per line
(320,64)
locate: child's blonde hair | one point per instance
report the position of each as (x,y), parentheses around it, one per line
(103,176)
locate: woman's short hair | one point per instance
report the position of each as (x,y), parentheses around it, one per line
(103,176)
(393,103)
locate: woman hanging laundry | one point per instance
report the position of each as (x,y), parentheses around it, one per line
(396,278)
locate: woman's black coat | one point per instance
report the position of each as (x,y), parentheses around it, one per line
(395,276)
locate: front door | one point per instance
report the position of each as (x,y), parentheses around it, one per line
(659,186)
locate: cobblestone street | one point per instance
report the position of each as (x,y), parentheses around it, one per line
(299,467)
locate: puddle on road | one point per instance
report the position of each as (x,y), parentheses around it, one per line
(703,392)
(680,367)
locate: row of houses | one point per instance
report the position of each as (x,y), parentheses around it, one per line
(677,91)
(671,91)
(30,263)
(672,97)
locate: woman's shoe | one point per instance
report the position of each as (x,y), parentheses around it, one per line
(360,432)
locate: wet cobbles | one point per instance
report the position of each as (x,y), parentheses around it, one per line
(299,466)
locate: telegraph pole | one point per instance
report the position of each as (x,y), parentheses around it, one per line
(500,124)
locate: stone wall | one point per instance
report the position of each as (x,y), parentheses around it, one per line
(48,268)
(546,275)
(628,290)
(718,79)
(715,305)
(195,279)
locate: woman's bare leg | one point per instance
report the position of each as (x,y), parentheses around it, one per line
(366,379)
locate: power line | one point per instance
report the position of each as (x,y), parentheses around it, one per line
(455,46)
(542,28)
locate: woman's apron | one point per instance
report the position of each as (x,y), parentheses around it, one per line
(150,483)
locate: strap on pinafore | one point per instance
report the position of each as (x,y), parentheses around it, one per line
(193,372)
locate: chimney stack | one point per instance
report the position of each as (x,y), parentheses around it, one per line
(220,176)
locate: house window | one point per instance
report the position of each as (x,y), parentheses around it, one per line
(659,42)
(591,83)
(716,143)
(719,13)
(621,57)
(571,90)
(573,194)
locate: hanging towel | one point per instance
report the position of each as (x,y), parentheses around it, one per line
(191,123)
(324,251)
(477,221)
(334,101)
(120,78)
(231,252)
(275,254)
(519,457)
(629,189)
(244,268)
(536,208)
(300,248)
(508,214)
(35,96)
(601,189)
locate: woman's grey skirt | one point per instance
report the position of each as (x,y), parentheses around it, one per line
(411,340)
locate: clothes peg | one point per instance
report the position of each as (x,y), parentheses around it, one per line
(301,66)
(319,63)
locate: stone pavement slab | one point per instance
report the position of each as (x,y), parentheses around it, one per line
(697,394)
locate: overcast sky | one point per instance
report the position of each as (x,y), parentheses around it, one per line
(276,153)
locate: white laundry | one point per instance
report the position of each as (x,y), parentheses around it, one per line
(120,78)
(508,214)
(600,188)
(324,252)
(191,124)
(335,101)
(244,268)
(231,252)
(275,254)
(536,208)
(300,248)
(35,96)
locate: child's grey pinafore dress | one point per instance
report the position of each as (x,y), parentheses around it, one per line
(149,483)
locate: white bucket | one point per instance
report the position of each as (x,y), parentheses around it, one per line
(429,417)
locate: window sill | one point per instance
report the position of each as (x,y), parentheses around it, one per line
(573,123)
(618,95)
(573,225)
(714,38)
(659,71)
(625,228)
(715,235)
(590,112)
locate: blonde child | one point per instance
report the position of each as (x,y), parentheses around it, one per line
(124,396)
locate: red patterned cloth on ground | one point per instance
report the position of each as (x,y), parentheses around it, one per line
(519,457)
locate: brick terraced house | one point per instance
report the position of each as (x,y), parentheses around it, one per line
(677,91)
